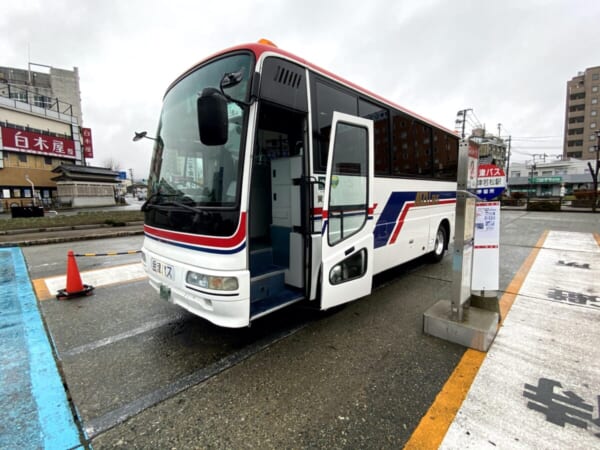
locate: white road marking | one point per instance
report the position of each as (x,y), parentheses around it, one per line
(101,277)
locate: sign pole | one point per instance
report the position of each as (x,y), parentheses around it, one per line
(468,157)
(456,320)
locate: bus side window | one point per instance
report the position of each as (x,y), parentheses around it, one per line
(328,100)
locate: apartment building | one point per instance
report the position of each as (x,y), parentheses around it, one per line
(582,115)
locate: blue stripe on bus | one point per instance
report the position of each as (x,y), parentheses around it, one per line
(36,412)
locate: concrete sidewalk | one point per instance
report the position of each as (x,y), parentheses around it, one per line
(539,386)
(22,238)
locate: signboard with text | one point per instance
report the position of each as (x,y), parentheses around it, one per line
(473,164)
(88,147)
(486,247)
(41,144)
(491,181)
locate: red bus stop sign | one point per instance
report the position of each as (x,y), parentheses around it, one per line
(491,181)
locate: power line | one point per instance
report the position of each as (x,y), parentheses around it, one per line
(537,138)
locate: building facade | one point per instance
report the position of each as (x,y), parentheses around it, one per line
(492,149)
(582,115)
(40,119)
(549,179)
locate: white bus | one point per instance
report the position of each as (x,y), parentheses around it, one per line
(274,181)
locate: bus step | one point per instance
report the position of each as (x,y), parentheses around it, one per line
(261,259)
(257,272)
(267,284)
(266,305)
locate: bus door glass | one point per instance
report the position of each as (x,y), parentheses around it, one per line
(347,235)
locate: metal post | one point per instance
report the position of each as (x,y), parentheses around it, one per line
(463,240)
(32,189)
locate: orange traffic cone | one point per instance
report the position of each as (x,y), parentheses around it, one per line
(75,288)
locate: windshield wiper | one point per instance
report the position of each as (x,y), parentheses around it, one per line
(148,204)
(181,205)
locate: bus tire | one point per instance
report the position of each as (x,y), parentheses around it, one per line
(441,244)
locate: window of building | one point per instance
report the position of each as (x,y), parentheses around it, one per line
(592,148)
(596,76)
(578,96)
(47,160)
(594,113)
(516,174)
(42,101)
(546,172)
(19,96)
(594,101)
(22,157)
(575,154)
(575,143)
(578,119)
(593,125)
(594,88)
(575,131)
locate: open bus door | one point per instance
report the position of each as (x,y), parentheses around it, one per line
(347,233)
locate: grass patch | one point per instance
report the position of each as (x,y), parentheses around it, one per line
(111,218)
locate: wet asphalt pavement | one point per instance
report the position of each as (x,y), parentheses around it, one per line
(144,374)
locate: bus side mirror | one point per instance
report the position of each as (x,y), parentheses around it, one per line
(213,123)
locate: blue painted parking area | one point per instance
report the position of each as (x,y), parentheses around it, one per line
(34,405)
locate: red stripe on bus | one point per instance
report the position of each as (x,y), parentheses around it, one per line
(205,241)
(403,214)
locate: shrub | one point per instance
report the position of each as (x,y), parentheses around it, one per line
(544,206)
(584,194)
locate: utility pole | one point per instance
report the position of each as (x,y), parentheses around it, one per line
(461,120)
(533,167)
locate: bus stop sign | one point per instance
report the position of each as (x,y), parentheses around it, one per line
(491,181)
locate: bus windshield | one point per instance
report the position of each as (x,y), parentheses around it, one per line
(185,171)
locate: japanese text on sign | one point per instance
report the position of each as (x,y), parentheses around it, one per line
(88,147)
(30,142)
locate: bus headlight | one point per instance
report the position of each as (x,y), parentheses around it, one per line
(209,282)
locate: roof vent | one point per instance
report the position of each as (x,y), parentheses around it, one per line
(287,77)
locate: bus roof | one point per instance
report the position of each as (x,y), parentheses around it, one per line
(259,48)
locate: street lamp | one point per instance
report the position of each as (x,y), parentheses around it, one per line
(32,188)
(141,135)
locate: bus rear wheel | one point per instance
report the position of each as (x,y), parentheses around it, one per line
(440,246)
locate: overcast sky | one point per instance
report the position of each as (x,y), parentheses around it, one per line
(508,60)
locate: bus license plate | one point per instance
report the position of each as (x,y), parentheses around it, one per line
(165,293)
(165,270)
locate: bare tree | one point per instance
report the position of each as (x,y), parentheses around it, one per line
(112,164)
